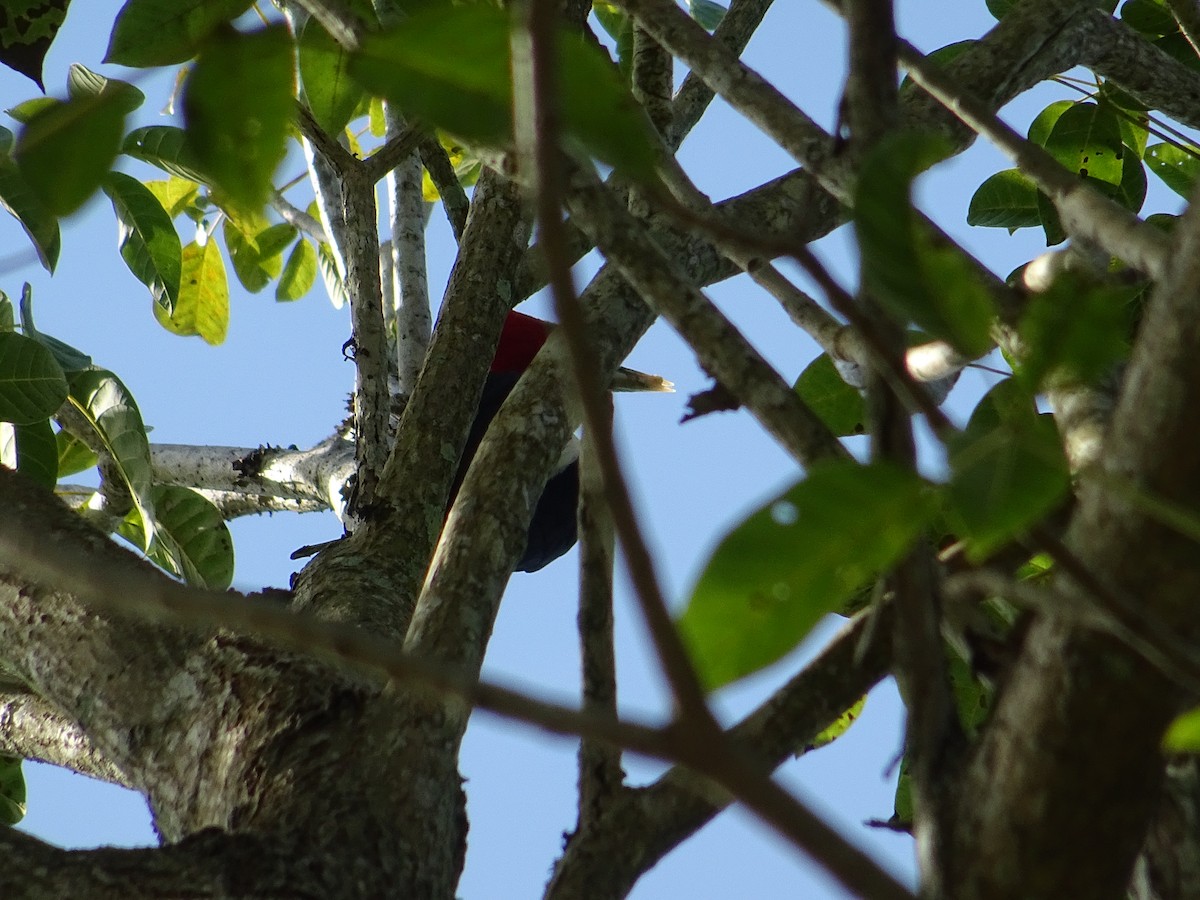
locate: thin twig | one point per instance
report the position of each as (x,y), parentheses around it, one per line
(536,125)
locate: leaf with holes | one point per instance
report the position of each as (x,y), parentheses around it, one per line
(1086,140)
(1176,167)
(26,32)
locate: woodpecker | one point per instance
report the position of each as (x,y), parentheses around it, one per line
(552,532)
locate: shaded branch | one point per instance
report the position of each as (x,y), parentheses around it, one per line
(641,826)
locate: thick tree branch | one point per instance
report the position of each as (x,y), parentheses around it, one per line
(32,728)
(211,864)
(318,474)
(1091,811)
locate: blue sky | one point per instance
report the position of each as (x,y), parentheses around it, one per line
(280,378)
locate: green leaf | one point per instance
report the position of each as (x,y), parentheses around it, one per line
(299,272)
(1007,199)
(902,817)
(203,307)
(70,359)
(1075,330)
(1043,122)
(111,412)
(30,449)
(238,104)
(82,83)
(1179,48)
(1149,17)
(32,384)
(146,237)
(1183,735)
(1000,8)
(1110,93)
(972,699)
(1051,223)
(619,27)
(332,95)
(1086,139)
(12,791)
(1007,470)
(175,194)
(840,406)
(940,58)
(24,112)
(330,276)
(1176,167)
(450,67)
(707,13)
(1134,130)
(1131,192)
(73,454)
(166,32)
(167,148)
(796,559)
(66,150)
(257,258)
(26,31)
(913,273)
(191,540)
(838,726)
(27,208)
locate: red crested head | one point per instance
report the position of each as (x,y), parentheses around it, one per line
(520,340)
